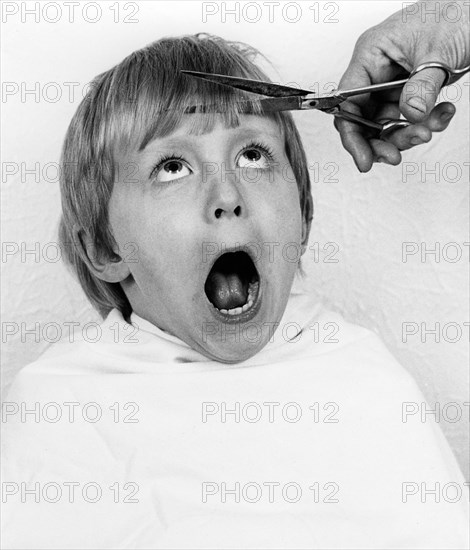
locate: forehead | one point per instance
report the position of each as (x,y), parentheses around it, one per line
(249,127)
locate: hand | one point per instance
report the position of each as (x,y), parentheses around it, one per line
(390,51)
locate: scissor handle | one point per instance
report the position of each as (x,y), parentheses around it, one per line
(389,126)
(385,127)
(339,112)
(450,73)
(382,127)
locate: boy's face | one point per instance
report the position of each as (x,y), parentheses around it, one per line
(192,199)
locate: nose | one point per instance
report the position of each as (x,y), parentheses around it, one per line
(225,199)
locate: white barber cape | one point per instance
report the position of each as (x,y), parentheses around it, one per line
(138,441)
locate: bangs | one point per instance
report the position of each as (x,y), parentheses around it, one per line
(149,95)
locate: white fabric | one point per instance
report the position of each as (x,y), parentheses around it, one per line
(171,454)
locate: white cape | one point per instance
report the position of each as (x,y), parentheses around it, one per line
(315,453)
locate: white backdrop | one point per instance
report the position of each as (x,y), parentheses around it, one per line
(366,217)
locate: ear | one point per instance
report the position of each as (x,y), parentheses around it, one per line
(107,269)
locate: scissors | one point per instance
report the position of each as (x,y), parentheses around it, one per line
(285,98)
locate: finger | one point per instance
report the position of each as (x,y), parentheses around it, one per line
(354,138)
(355,143)
(440,117)
(437,121)
(417,134)
(385,152)
(352,135)
(420,93)
(406,138)
(356,76)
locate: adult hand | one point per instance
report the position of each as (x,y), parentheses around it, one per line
(421,32)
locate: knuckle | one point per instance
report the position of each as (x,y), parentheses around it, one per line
(368,36)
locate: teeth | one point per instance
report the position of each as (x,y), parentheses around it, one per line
(248,304)
(252,291)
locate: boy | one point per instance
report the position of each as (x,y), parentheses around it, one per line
(238,428)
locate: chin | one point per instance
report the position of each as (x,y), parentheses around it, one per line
(235,353)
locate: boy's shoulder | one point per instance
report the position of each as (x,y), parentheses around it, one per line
(87,348)
(309,330)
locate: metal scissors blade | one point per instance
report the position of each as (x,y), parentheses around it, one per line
(280,98)
(248,85)
(264,105)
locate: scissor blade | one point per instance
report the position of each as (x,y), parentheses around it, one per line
(248,85)
(372,88)
(265,105)
(275,104)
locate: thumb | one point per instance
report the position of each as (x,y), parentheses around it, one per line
(420,93)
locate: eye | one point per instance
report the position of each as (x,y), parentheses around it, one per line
(170,169)
(255,156)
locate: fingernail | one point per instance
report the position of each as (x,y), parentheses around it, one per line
(416,140)
(417,103)
(446,116)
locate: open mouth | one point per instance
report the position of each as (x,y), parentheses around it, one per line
(232,285)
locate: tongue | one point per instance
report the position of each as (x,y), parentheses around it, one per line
(226,290)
